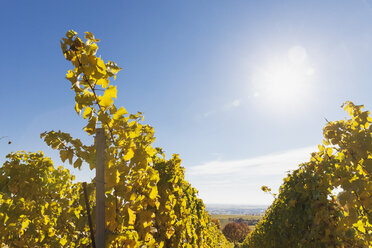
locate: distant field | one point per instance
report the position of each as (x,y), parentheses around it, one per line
(227,218)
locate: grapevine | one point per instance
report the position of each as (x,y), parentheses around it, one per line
(148,201)
(306,213)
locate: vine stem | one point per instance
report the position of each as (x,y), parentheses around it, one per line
(93,89)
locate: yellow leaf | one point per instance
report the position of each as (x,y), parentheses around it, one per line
(131,217)
(101,67)
(46,219)
(71,33)
(90,36)
(91,127)
(103,81)
(92,49)
(63,241)
(6,218)
(106,99)
(329,151)
(70,74)
(25,224)
(129,154)
(51,232)
(153,193)
(87,112)
(110,163)
(132,197)
(360,226)
(77,213)
(77,109)
(122,111)
(321,148)
(117,176)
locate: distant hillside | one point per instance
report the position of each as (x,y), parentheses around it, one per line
(236,209)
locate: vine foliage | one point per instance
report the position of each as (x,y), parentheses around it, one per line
(148,201)
(40,206)
(307,213)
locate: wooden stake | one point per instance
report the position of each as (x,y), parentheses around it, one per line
(89,217)
(100,187)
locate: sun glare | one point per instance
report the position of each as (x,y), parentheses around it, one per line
(284,83)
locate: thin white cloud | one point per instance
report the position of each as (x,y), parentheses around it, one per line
(234,104)
(275,163)
(240,181)
(209,113)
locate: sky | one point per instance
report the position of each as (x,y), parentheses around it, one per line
(240,89)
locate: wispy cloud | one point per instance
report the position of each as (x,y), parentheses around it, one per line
(228,106)
(234,104)
(239,181)
(275,163)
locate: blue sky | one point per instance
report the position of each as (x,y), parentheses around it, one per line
(240,89)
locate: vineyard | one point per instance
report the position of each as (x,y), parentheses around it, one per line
(148,202)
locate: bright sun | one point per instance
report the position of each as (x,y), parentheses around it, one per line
(284,83)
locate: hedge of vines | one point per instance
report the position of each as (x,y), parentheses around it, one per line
(148,201)
(306,212)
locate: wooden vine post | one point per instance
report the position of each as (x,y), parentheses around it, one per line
(89,216)
(100,187)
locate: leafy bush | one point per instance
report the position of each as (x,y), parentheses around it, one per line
(236,232)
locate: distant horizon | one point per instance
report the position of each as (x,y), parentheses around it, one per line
(222,205)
